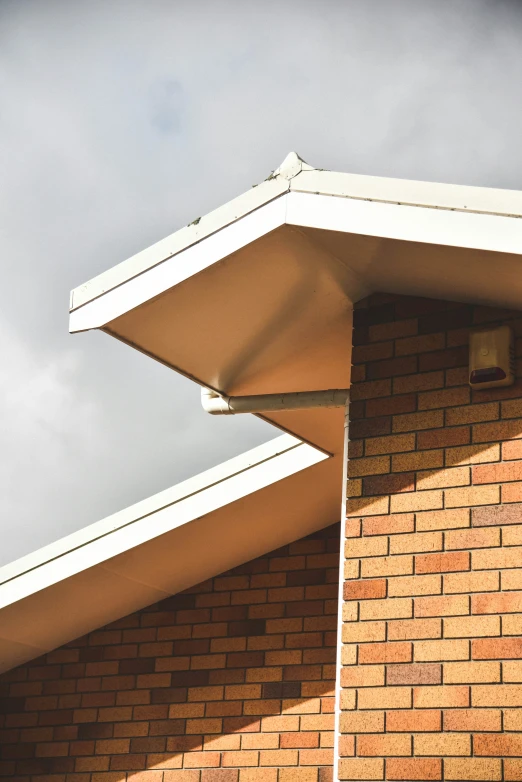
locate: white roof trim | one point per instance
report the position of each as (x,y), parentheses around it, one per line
(189,500)
(296,176)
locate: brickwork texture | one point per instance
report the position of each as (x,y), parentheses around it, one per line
(231,681)
(432,614)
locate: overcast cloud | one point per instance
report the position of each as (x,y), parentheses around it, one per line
(123,121)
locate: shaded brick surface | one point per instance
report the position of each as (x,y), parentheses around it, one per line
(230,681)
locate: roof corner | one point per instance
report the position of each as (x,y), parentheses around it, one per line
(292,165)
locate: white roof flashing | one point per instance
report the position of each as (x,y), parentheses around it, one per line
(295,175)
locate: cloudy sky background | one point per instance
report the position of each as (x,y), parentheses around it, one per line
(122,121)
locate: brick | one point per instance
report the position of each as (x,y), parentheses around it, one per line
(472,769)
(414,585)
(443,697)
(497,431)
(473,454)
(414,628)
(443,398)
(385,653)
(389,524)
(512,625)
(473,720)
(500,745)
(441,479)
(442,744)
(357,632)
(289,775)
(471,414)
(511,492)
(511,579)
(512,671)
(499,472)
(417,460)
(413,721)
(373,465)
(472,538)
(384,698)
(428,419)
(410,769)
(362,722)
(511,408)
(480,581)
(416,501)
(416,673)
(511,450)
(367,506)
(512,536)
(496,648)
(499,695)
(393,405)
(387,566)
(472,626)
(240,758)
(361,768)
(386,744)
(472,495)
(493,559)
(399,328)
(419,344)
(364,590)
(497,604)
(512,719)
(401,365)
(390,444)
(418,541)
(512,769)
(366,547)
(471,673)
(362,354)
(362,676)
(395,608)
(444,437)
(442,562)
(451,605)
(370,390)
(418,382)
(443,519)
(388,484)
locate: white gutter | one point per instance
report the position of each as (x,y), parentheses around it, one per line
(220,404)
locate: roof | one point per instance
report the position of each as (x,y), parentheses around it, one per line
(254,298)
(162,545)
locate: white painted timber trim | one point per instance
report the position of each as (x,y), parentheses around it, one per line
(442,226)
(433,195)
(213,489)
(295,176)
(186,237)
(174,270)
(406,223)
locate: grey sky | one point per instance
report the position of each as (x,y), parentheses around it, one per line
(123,121)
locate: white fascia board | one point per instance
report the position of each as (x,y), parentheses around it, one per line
(370,217)
(199,496)
(185,264)
(295,176)
(406,223)
(186,237)
(434,195)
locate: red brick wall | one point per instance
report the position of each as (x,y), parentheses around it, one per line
(232,681)
(432,654)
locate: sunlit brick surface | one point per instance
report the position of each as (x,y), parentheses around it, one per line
(231,681)
(432,614)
